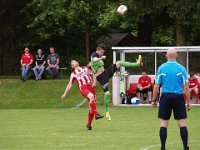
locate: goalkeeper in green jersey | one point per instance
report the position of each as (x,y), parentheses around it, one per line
(103,75)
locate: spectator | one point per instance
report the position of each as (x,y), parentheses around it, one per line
(39,65)
(193,85)
(53,61)
(144,86)
(26,61)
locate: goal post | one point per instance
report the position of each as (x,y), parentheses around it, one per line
(157,55)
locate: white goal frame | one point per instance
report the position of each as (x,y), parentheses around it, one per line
(127,50)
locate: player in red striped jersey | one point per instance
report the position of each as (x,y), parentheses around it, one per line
(86,82)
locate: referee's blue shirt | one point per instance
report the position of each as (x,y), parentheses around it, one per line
(172,76)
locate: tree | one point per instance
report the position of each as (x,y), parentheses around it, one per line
(185,15)
(12,33)
(61,17)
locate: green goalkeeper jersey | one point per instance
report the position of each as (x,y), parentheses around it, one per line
(96,65)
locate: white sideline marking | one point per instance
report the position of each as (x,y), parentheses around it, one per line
(158,145)
(80,104)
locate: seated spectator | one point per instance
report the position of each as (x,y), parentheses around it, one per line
(26,62)
(144,86)
(193,85)
(53,61)
(39,65)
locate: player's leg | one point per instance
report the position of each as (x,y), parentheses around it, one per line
(89,92)
(138,63)
(107,101)
(104,81)
(91,95)
(90,119)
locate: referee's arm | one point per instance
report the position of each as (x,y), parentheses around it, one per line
(155,92)
(187,93)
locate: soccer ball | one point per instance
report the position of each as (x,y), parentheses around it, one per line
(122,9)
(135,101)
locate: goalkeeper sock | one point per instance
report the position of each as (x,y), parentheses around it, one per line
(93,107)
(106,100)
(90,117)
(128,64)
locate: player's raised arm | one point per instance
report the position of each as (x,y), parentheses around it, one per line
(96,59)
(69,85)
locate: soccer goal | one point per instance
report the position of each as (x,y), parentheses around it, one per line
(153,57)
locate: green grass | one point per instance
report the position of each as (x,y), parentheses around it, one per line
(32,117)
(132,128)
(39,94)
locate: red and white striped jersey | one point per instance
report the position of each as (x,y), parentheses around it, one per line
(82,75)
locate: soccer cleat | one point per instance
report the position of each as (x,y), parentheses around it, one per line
(108,116)
(139,61)
(89,127)
(98,116)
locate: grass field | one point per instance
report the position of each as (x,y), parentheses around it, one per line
(132,128)
(32,117)
(39,94)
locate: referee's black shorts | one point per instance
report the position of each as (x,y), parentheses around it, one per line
(169,102)
(107,74)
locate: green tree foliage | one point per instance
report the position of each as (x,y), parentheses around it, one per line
(77,18)
(12,34)
(73,26)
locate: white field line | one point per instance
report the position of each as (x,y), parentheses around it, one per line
(158,145)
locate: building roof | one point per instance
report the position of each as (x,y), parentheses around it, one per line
(118,39)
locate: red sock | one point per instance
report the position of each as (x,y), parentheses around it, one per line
(93,107)
(197,96)
(90,117)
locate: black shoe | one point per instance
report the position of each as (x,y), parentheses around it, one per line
(149,102)
(98,116)
(188,148)
(89,127)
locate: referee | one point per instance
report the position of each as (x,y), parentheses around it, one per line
(173,78)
